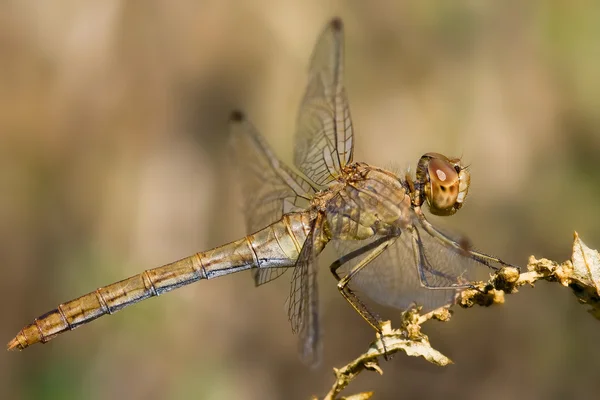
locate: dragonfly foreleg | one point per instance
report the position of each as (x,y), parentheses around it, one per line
(486,259)
(482,258)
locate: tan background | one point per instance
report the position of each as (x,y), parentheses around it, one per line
(113,160)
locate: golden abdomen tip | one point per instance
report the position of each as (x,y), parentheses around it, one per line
(14,344)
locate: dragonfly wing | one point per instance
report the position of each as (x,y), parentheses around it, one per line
(266,275)
(324,127)
(394,278)
(270,188)
(303,302)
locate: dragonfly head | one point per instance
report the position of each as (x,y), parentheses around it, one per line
(445,183)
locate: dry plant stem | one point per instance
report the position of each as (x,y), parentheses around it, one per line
(408,339)
(581,274)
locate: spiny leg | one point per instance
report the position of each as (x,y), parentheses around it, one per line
(423,265)
(486,259)
(482,258)
(373,250)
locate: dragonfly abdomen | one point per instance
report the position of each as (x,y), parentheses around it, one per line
(277,245)
(108,300)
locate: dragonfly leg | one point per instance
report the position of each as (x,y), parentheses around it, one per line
(374,249)
(482,258)
(486,259)
(423,266)
(356,253)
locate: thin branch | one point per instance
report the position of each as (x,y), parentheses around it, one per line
(581,274)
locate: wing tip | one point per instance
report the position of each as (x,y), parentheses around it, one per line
(336,24)
(237,116)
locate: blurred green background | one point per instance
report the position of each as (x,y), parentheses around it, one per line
(113,159)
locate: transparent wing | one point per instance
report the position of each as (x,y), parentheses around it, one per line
(303,302)
(270,189)
(324,127)
(394,278)
(266,275)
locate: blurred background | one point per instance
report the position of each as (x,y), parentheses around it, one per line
(113,159)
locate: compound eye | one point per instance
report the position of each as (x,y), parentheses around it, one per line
(444,185)
(447,186)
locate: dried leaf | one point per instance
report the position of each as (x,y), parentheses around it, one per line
(396,340)
(586,264)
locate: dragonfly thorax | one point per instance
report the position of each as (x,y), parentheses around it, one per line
(370,202)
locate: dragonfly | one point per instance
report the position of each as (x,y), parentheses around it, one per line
(374,218)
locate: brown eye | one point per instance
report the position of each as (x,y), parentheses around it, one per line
(447,185)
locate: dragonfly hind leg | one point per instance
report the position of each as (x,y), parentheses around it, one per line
(373,250)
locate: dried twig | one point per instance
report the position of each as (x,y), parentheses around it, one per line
(581,274)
